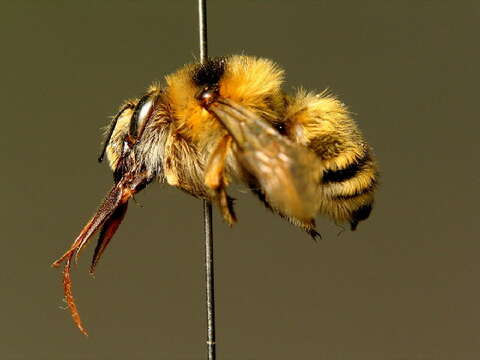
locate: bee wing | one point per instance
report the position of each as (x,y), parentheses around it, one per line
(288,173)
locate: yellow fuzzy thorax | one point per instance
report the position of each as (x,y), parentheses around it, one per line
(249,81)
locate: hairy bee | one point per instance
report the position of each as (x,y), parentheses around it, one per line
(228,120)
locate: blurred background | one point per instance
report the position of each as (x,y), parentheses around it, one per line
(404,286)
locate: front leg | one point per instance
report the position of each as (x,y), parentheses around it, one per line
(216,182)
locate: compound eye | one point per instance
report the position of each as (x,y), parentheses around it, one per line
(141,114)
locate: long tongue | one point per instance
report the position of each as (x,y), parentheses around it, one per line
(110,204)
(108,216)
(108,230)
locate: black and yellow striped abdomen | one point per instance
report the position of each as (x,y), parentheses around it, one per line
(349,176)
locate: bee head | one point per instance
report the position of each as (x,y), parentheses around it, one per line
(130,177)
(126,131)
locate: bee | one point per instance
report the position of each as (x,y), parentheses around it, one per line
(228,120)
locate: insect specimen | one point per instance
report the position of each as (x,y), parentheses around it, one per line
(228,120)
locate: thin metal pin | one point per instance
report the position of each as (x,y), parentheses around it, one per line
(207,209)
(202,22)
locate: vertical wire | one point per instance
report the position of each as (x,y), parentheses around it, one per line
(202,22)
(207,209)
(209,275)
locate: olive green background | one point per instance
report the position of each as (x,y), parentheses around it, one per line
(404,286)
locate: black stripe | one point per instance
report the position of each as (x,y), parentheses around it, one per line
(358,192)
(333,176)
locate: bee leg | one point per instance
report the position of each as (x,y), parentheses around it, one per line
(216,182)
(225,204)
